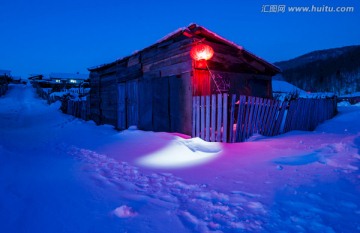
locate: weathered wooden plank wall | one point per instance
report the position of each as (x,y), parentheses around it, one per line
(180,103)
(121,108)
(161,99)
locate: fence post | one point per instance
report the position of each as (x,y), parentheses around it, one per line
(279,120)
(239,127)
(246,119)
(207,124)
(202,124)
(232,111)
(255,114)
(197,134)
(213,117)
(193,116)
(219,115)
(265,117)
(225,117)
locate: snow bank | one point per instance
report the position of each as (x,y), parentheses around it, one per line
(344,104)
(124,212)
(181,153)
(58,94)
(56,105)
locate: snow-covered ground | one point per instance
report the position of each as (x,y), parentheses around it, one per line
(281,89)
(61,174)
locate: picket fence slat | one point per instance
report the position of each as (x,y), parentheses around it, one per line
(279,120)
(246,119)
(213,117)
(197,99)
(207,125)
(219,117)
(225,118)
(256,110)
(202,108)
(232,111)
(193,133)
(239,125)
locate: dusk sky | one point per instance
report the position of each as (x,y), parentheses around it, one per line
(72,35)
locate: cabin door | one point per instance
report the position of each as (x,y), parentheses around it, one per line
(132,103)
(121,122)
(128,104)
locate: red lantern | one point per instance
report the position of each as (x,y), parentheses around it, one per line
(201,52)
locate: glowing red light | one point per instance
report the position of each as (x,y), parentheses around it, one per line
(201,52)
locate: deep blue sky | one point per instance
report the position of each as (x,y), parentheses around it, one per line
(72,35)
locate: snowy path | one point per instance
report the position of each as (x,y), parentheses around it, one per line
(40,190)
(60,174)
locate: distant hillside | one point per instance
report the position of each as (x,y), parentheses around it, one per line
(331,70)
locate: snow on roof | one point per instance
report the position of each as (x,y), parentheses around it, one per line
(191,30)
(68,76)
(171,34)
(213,34)
(138,51)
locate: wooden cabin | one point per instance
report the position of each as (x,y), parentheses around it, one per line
(153,88)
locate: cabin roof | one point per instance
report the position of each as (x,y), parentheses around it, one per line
(5,72)
(68,76)
(195,31)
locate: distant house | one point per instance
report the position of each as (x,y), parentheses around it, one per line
(153,88)
(61,82)
(4,76)
(68,78)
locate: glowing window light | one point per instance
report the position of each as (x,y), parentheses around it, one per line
(201,52)
(72,81)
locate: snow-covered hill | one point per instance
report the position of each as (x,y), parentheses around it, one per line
(61,174)
(314,56)
(332,70)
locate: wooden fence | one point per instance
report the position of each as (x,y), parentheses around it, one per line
(80,109)
(306,114)
(218,118)
(3,89)
(77,108)
(43,92)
